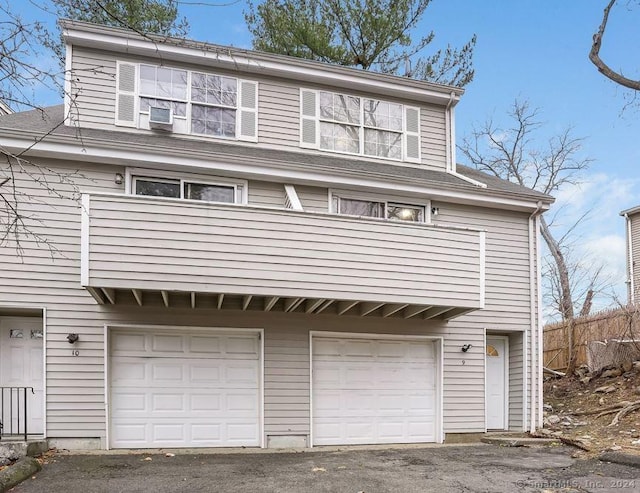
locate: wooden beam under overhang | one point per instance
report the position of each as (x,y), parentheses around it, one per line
(368,307)
(137,294)
(97,295)
(435,311)
(311,305)
(165,298)
(292,303)
(110,294)
(269,302)
(245,301)
(345,306)
(390,309)
(412,311)
(325,305)
(456,312)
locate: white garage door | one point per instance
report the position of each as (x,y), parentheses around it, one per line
(184,389)
(374,391)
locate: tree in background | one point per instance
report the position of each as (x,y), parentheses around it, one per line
(594,55)
(25,67)
(514,154)
(143,16)
(368,34)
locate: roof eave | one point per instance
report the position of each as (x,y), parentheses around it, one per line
(22,140)
(253,62)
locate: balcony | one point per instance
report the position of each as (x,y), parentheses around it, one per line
(157,251)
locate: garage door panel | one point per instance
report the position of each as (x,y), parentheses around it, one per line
(130,371)
(388,395)
(201,398)
(209,345)
(167,344)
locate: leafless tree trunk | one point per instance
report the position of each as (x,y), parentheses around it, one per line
(513,154)
(594,54)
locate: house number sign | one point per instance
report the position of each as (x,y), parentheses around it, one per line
(75,352)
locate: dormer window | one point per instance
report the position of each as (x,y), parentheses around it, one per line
(356,125)
(200,103)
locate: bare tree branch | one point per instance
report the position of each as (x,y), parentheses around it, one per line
(594,54)
(514,154)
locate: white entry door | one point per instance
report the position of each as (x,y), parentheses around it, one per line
(21,346)
(368,391)
(496,391)
(184,388)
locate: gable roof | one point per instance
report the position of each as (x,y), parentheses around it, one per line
(47,122)
(165,48)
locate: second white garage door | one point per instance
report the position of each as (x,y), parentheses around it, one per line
(368,391)
(184,389)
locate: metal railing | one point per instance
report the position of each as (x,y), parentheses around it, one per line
(14,405)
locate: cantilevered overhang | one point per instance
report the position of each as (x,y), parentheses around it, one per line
(167,252)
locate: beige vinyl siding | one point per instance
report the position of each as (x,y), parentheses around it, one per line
(266,194)
(278,114)
(93,89)
(507,303)
(75,385)
(635,254)
(433,136)
(516,369)
(313,199)
(94,80)
(272,194)
(277,253)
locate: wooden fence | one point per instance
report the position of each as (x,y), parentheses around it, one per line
(621,323)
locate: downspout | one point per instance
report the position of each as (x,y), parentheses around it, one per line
(450,149)
(630,273)
(449,156)
(535,323)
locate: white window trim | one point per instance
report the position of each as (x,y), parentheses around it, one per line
(361,126)
(189,103)
(383,199)
(134,173)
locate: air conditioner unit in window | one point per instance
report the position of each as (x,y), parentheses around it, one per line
(161,118)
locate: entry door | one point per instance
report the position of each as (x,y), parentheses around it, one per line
(496,391)
(21,342)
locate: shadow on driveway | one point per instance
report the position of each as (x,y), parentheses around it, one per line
(477,468)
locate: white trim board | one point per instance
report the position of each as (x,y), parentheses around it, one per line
(124,41)
(266,170)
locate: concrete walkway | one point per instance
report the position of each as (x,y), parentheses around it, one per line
(477,468)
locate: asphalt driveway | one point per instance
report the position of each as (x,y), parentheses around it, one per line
(469,468)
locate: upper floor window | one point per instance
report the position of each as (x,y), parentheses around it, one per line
(188,189)
(374,208)
(357,125)
(198,102)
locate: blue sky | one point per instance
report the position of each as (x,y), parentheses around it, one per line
(535,50)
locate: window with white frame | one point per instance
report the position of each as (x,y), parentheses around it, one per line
(380,209)
(213,104)
(201,103)
(359,125)
(187,189)
(163,87)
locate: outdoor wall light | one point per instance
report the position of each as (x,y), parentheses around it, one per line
(466,347)
(73,338)
(435,211)
(119,179)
